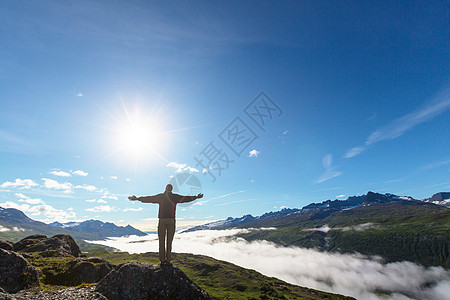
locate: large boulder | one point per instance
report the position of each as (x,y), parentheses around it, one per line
(6,245)
(78,271)
(15,272)
(135,280)
(58,245)
(28,241)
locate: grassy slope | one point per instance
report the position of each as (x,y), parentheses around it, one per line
(402,230)
(223,280)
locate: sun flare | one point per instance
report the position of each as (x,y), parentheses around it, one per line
(139,136)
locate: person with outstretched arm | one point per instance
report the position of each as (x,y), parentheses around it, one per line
(166,226)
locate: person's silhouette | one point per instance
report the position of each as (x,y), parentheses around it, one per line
(166,226)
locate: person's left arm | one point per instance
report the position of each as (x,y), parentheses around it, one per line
(185,199)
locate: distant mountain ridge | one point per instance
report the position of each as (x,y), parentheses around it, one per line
(442,198)
(104,229)
(14,225)
(322,209)
(233,222)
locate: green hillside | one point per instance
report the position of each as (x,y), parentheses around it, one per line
(398,230)
(223,280)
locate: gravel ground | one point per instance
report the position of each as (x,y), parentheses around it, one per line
(65,294)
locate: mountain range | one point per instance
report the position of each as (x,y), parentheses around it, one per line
(394,227)
(321,209)
(15,225)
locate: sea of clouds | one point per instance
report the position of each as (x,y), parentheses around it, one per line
(349,274)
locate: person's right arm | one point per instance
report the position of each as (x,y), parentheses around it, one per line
(146,199)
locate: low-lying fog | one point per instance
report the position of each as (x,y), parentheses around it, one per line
(349,274)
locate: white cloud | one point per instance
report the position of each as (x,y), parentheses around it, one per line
(20,195)
(205,170)
(253,153)
(128,179)
(400,126)
(96,200)
(80,173)
(50,213)
(4,229)
(180,168)
(359,227)
(102,208)
(60,173)
(80,95)
(89,188)
(133,209)
(324,228)
(9,204)
(53,184)
(114,177)
(108,195)
(26,199)
(20,183)
(327,175)
(340,196)
(349,274)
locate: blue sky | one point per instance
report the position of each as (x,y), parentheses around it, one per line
(104,99)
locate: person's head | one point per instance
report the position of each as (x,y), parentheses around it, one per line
(169,188)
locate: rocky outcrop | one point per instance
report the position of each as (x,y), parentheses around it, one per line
(78,271)
(6,245)
(16,273)
(58,245)
(135,280)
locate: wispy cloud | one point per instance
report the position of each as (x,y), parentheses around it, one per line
(237,201)
(400,126)
(80,95)
(179,168)
(12,143)
(19,183)
(113,177)
(436,164)
(218,197)
(329,173)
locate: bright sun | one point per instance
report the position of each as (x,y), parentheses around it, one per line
(139,138)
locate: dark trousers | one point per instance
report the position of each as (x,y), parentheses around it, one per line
(166,229)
